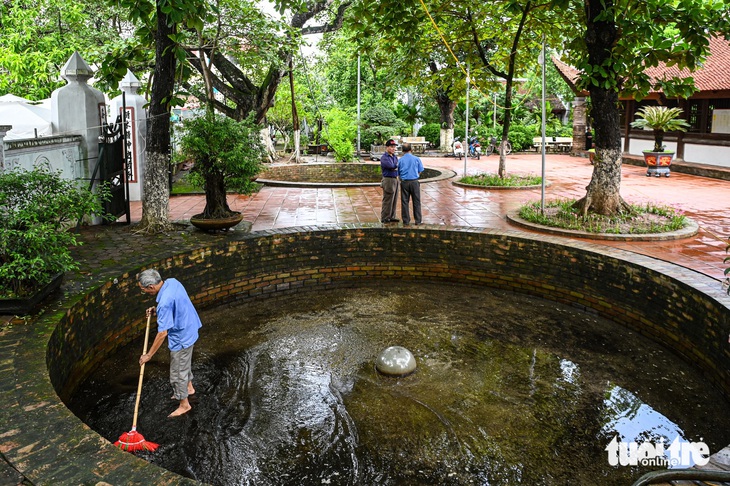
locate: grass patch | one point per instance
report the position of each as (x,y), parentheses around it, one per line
(183,186)
(188,184)
(511,180)
(641,219)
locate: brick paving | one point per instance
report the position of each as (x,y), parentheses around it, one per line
(703,199)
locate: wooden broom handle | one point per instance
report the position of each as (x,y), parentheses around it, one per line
(141,373)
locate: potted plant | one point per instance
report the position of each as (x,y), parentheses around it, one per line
(225,153)
(660,119)
(36,209)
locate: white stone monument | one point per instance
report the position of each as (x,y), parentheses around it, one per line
(79,109)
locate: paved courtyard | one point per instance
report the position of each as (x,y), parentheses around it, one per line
(703,199)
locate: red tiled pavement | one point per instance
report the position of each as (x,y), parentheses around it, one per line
(703,199)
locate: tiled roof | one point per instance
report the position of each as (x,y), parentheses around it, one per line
(713,75)
(568,73)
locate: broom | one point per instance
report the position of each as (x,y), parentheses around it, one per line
(133,441)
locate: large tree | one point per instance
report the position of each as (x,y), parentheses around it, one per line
(621,39)
(411,55)
(158,25)
(245,91)
(497,41)
(230,44)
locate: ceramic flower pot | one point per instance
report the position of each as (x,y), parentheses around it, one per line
(220,224)
(658,163)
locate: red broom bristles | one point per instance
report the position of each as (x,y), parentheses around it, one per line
(133,441)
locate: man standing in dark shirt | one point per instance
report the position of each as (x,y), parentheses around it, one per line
(389,168)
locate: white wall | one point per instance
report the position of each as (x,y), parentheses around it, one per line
(61,153)
(693,152)
(707,154)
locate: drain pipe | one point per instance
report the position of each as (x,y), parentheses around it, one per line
(664,476)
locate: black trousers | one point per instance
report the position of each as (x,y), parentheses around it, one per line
(410,189)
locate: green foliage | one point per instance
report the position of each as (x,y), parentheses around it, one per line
(641,219)
(39,36)
(511,180)
(379,124)
(379,115)
(223,148)
(409,114)
(340,133)
(431,132)
(374,136)
(650,33)
(660,119)
(459,130)
(520,136)
(35,209)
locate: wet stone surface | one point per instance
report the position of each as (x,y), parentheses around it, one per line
(508,390)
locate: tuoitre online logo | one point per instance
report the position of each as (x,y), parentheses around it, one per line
(680,453)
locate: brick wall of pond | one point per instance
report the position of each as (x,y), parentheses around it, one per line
(684,310)
(332,173)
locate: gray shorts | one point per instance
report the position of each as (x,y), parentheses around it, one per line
(181,371)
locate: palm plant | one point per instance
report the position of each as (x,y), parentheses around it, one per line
(660,119)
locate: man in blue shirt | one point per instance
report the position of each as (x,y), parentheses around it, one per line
(178,321)
(409,170)
(389,168)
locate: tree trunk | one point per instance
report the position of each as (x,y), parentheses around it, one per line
(155,206)
(268,144)
(294,114)
(502,171)
(603,192)
(296,155)
(216,205)
(446,109)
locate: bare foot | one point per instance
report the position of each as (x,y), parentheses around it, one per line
(191,391)
(181,410)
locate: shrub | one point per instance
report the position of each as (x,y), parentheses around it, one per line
(379,115)
(432,133)
(36,207)
(520,136)
(223,148)
(340,133)
(493,180)
(375,135)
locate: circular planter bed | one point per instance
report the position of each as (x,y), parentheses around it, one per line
(336,175)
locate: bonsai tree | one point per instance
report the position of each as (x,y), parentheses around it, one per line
(226,153)
(660,119)
(36,209)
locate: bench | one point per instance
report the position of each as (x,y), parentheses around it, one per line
(553,144)
(419,144)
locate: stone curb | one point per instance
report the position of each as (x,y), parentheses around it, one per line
(690,230)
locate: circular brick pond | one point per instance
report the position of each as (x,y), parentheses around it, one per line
(336,175)
(682,310)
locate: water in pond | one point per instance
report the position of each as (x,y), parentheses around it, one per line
(509,389)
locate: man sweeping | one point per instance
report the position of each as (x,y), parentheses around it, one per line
(178,321)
